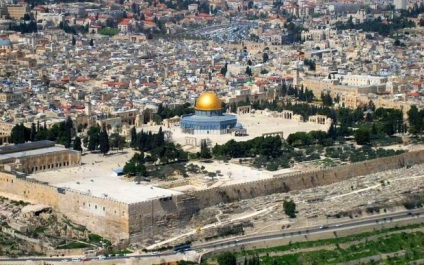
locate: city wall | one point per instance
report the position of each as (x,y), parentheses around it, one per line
(103,216)
(146,220)
(29,191)
(303,180)
(100,215)
(149,218)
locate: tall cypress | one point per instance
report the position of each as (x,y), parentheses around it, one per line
(104,142)
(33,132)
(133,143)
(77,144)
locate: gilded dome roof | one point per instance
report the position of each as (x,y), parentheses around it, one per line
(208,101)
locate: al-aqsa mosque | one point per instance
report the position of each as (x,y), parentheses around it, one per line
(208,117)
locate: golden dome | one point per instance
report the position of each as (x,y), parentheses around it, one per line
(208,101)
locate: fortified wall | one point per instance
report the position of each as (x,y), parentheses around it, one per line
(119,221)
(160,214)
(304,180)
(103,216)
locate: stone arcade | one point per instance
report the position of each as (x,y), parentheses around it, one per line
(37,156)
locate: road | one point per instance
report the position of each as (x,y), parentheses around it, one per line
(391,217)
(227,243)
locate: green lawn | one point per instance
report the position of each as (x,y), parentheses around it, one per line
(413,242)
(330,241)
(353,247)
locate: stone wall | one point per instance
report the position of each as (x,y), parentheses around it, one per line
(103,216)
(100,215)
(29,191)
(299,181)
(146,220)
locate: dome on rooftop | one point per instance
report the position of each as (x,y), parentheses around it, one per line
(208,101)
(5,41)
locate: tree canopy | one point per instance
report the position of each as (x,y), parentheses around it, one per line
(289,208)
(265,146)
(227,258)
(383,27)
(362,136)
(61,133)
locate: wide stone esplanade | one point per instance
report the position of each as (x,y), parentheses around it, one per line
(208,117)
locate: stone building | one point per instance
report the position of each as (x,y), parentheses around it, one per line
(5,132)
(208,117)
(37,156)
(9,97)
(17,11)
(5,44)
(127,117)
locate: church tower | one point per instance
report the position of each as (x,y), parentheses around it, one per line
(138,120)
(87,108)
(296,77)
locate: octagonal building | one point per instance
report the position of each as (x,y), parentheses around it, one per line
(208,117)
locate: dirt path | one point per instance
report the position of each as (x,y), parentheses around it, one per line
(249,215)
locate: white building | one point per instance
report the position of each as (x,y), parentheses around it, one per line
(359,80)
(400,4)
(51,17)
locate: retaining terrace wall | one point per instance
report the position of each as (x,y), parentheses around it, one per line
(103,216)
(119,221)
(302,180)
(147,219)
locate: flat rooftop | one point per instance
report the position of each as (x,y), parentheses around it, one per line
(96,176)
(13,148)
(32,152)
(116,188)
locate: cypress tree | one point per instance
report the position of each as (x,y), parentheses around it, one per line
(104,142)
(160,137)
(33,132)
(68,131)
(77,144)
(133,143)
(93,141)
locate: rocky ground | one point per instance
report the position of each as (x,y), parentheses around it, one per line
(361,196)
(27,229)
